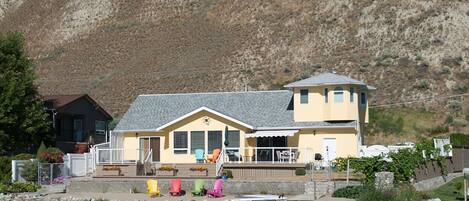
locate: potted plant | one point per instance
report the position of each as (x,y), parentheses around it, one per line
(111,170)
(166,171)
(199,171)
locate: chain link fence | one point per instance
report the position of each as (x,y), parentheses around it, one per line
(51,173)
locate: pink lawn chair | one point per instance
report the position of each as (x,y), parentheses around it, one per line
(175,189)
(217,189)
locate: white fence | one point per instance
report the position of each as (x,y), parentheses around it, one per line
(376,150)
(16,169)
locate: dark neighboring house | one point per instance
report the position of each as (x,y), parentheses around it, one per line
(78,121)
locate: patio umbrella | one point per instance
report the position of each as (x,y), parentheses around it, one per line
(226,136)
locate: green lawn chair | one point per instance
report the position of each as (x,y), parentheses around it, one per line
(199,188)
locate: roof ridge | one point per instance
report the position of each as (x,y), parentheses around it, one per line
(220,92)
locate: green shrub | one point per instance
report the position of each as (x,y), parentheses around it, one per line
(351,192)
(228,173)
(23,156)
(19,187)
(29,172)
(459,139)
(5,169)
(300,171)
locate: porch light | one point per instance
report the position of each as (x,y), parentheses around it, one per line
(136,135)
(314,132)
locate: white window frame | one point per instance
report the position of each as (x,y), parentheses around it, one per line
(307,96)
(338,92)
(100,132)
(190,141)
(149,145)
(187,149)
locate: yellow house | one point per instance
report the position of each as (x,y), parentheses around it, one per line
(318,118)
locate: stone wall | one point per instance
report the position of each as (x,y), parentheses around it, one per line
(433,183)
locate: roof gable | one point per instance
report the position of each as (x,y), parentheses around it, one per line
(60,102)
(207,110)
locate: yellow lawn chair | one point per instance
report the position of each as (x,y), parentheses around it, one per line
(153,189)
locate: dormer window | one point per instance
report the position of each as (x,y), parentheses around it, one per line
(352,92)
(304,96)
(338,95)
(363,98)
(326,95)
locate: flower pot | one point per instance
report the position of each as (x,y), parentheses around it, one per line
(199,173)
(165,173)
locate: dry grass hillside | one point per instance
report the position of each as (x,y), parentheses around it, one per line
(117,49)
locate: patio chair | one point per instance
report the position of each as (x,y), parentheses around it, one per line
(217,189)
(215,155)
(148,168)
(296,155)
(153,189)
(199,188)
(199,155)
(175,189)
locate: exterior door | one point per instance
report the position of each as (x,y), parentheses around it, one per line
(147,144)
(329,150)
(77,130)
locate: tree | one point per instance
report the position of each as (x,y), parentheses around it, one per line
(23,121)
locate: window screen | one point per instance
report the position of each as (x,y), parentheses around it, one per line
(180,142)
(303,96)
(214,140)
(233,138)
(197,141)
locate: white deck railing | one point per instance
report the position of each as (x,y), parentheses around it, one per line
(268,155)
(121,156)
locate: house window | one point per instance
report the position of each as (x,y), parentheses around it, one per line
(215,139)
(338,95)
(363,98)
(233,139)
(100,127)
(180,142)
(352,92)
(197,141)
(303,96)
(326,95)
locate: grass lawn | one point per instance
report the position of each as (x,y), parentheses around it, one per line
(449,191)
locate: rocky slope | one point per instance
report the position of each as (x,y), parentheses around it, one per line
(117,49)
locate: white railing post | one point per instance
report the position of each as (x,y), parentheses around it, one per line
(255,154)
(273,155)
(290,155)
(110,156)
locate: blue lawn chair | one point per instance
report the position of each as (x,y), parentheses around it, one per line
(199,155)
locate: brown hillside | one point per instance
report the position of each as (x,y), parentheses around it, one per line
(115,50)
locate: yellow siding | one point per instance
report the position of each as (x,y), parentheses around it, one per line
(346,141)
(192,123)
(317,110)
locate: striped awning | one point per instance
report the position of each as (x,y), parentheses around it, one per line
(271,133)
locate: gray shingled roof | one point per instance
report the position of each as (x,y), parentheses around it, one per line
(327,79)
(259,109)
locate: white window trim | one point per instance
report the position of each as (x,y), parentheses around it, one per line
(338,91)
(149,137)
(307,96)
(189,139)
(96,130)
(182,149)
